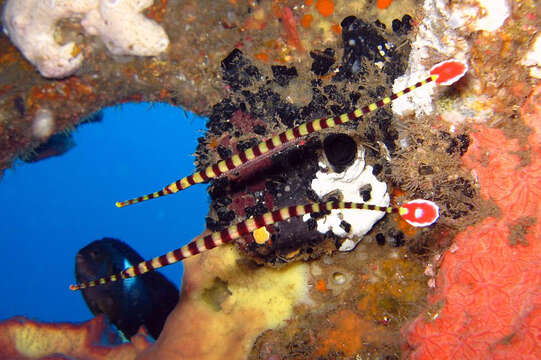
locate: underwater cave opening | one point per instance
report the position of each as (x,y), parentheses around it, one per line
(53,208)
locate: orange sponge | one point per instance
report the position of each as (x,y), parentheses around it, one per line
(491,297)
(488,298)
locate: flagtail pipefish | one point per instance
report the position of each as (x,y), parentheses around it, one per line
(418,213)
(443,73)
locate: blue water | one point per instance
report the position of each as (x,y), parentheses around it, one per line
(52,208)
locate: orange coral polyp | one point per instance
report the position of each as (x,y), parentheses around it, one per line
(336,28)
(321,286)
(383,4)
(325,7)
(262,56)
(306,20)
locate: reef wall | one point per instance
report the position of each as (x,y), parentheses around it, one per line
(199,35)
(467,287)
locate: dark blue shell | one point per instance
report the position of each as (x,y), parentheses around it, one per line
(145,300)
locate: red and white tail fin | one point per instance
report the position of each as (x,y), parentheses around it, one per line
(419,212)
(449,71)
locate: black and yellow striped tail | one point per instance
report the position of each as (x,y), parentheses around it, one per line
(204,243)
(169,189)
(242,158)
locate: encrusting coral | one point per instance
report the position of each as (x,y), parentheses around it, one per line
(487,303)
(31,26)
(512,187)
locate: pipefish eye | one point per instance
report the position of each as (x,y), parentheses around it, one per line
(340,150)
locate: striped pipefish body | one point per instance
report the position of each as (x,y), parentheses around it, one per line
(416,212)
(226,166)
(444,73)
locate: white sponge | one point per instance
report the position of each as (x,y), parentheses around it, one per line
(31,24)
(349,183)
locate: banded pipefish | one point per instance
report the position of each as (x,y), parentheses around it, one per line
(444,73)
(418,213)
